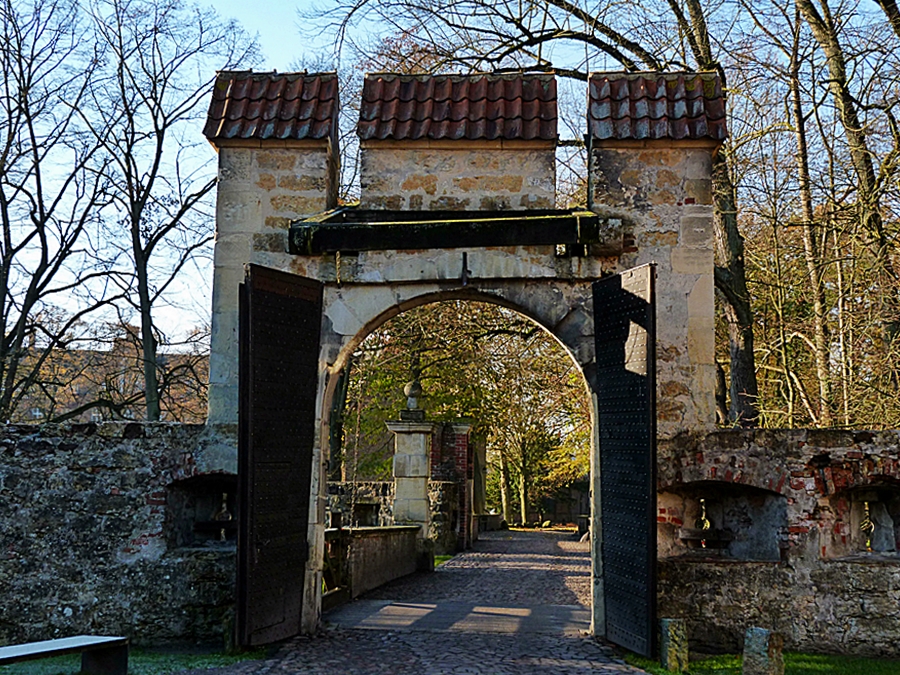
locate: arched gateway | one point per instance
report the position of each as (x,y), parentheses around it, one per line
(457,178)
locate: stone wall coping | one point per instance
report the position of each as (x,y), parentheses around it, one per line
(426,144)
(399,427)
(269,143)
(655,144)
(725,562)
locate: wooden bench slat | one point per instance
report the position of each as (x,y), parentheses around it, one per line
(58,647)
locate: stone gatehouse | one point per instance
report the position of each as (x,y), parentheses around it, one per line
(784,547)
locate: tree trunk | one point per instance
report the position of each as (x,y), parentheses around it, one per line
(523,496)
(810,245)
(731,280)
(505,490)
(148,340)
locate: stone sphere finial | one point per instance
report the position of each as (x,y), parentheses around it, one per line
(412,391)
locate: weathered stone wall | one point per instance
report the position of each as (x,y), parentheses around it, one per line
(373,496)
(445,517)
(83,537)
(825,592)
(381,554)
(663,193)
(457,175)
(261,190)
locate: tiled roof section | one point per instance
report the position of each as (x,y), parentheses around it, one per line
(458,107)
(265,106)
(647,106)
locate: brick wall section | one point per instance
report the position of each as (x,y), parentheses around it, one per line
(83,545)
(450,463)
(457,175)
(825,594)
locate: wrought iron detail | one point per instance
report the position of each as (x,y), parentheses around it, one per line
(280,324)
(625,383)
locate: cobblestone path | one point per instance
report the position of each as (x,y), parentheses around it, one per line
(514,605)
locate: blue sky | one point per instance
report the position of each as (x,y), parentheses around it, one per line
(277,26)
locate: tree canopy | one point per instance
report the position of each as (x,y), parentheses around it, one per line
(523,393)
(805,189)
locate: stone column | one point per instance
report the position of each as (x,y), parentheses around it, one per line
(412,469)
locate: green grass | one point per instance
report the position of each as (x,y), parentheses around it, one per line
(794,664)
(140,662)
(441,559)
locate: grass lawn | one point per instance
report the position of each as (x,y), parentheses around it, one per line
(140,662)
(441,559)
(794,664)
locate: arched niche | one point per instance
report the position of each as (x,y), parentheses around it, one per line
(716,520)
(201,511)
(862,521)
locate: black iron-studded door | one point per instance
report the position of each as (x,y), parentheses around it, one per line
(280,320)
(625,325)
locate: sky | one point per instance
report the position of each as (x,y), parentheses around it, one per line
(277,26)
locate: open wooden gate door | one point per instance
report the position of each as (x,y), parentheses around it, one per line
(625,329)
(280,322)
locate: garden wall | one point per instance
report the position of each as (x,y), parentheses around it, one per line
(90,544)
(784,546)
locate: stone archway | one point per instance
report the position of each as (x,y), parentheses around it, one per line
(468,211)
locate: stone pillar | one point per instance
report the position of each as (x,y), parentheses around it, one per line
(673,645)
(762,652)
(412,464)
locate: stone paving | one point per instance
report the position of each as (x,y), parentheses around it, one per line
(514,605)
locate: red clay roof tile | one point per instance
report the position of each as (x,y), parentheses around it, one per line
(248,105)
(656,106)
(454,107)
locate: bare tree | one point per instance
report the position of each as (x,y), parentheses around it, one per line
(158,65)
(51,193)
(567,38)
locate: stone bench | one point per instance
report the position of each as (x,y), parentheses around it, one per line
(99,655)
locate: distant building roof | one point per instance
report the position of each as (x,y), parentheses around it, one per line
(656,106)
(280,106)
(516,106)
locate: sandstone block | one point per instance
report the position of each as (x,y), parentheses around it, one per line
(235,165)
(278,160)
(298,204)
(692,260)
(673,645)
(696,231)
(699,189)
(274,242)
(266,181)
(428,183)
(302,183)
(762,652)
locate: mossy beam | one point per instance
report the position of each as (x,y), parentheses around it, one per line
(315,238)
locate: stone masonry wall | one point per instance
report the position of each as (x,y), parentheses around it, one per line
(457,175)
(827,593)
(261,190)
(83,541)
(664,196)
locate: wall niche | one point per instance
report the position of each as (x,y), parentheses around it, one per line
(862,522)
(714,520)
(202,511)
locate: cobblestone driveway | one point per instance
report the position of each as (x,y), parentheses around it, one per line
(515,605)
